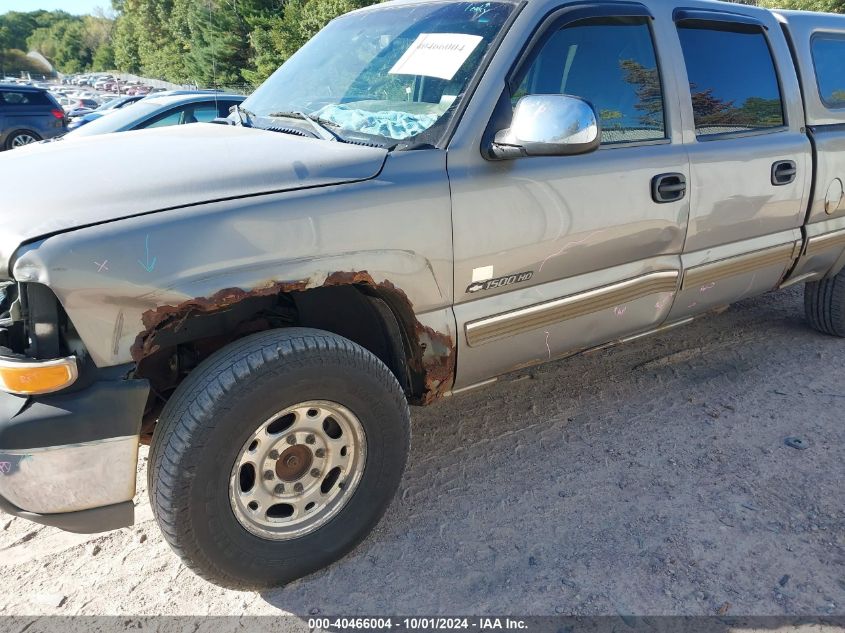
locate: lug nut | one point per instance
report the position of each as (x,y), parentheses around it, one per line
(320,453)
(274,454)
(279,489)
(291,439)
(309,439)
(298,487)
(315,472)
(268,475)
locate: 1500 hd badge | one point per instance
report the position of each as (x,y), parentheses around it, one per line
(500,282)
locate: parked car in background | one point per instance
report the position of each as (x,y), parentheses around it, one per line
(159,111)
(66,102)
(82,107)
(28,115)
(139,90)
(109,107)
(102,82)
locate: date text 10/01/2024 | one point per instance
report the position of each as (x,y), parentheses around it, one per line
(417,623)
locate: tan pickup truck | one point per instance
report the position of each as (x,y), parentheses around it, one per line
(426,196)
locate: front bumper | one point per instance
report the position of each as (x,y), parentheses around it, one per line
(70,459)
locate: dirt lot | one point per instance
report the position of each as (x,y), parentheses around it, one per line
(647,479)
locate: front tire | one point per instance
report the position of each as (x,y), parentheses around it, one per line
(824,305)
(277,456)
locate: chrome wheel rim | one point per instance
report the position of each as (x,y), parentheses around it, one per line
(23,139)
(297,470)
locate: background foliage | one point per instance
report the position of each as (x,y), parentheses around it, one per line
(207,42)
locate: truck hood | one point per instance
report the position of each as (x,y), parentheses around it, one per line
(54,187)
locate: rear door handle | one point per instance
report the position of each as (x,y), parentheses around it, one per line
(784,172)
(668,188)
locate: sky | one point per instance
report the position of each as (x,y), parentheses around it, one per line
(77,7)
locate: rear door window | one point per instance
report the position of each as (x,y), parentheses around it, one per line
(733,80)
(14,98)
(829,61)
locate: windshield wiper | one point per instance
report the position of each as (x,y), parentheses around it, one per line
(244,120)
(317,124)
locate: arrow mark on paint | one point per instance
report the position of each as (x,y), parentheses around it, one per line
(151,264)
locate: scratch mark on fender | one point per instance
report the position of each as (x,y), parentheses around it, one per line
(750,284)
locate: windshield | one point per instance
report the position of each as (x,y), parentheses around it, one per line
(390,73)
(122,118)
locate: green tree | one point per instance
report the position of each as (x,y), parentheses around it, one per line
(161,52)
(125,45)
(304,18)
(828,6)
(18,26)
(103,58)
(68,41)
(218,42)
(265,55)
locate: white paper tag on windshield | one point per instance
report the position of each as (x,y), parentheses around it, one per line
(436,55)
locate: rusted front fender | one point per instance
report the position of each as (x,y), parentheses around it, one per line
(121,280)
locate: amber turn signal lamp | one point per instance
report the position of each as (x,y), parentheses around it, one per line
(33,377)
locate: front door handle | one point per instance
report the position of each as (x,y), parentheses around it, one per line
(668,188)
(784,172)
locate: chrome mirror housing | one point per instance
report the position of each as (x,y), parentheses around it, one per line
(549,125)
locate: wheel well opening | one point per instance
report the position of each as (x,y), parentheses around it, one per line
(364,314)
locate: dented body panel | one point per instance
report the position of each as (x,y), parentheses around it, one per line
(145,173)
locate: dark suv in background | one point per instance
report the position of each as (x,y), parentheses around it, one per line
(28,115)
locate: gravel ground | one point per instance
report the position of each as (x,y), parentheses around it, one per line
(651,478)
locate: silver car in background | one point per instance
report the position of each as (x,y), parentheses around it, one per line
(162,111)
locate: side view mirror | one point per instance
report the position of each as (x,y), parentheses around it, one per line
(549,125)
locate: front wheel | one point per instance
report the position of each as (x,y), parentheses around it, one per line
(276,456)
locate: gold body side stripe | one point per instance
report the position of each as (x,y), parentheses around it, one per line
(823,242)
(734,266)
(543,314)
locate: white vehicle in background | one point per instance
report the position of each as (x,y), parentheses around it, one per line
(66,102)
